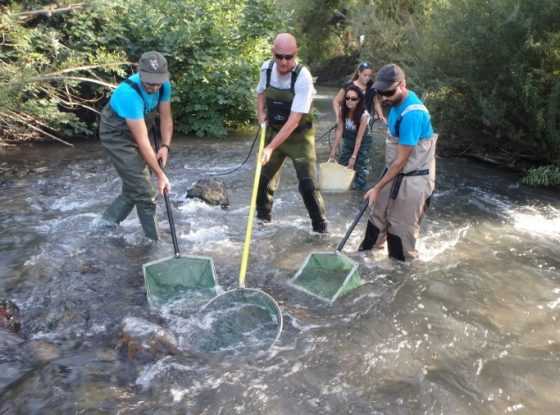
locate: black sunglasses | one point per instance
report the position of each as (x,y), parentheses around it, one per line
(279,56)
(152,85)
(351,98)
(388,93)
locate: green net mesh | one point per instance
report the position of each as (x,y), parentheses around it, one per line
(242,319)
(169,278)
(327,276)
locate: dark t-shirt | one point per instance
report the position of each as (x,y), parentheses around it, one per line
(369,94)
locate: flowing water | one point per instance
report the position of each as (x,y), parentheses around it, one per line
(470,328)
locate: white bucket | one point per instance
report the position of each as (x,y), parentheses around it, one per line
(334,177)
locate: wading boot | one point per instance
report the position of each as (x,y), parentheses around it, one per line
(314,204)
(264,200)
(147,217)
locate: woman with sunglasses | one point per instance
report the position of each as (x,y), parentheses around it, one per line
(352,128)
(362,78)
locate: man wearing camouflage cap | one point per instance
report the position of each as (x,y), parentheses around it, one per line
(402,195)
(127,122)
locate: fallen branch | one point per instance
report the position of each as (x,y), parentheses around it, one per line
(21,120)
(60,78)
(49,11)
(86,67)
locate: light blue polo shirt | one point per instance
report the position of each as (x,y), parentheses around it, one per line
(415,125)
(126,103)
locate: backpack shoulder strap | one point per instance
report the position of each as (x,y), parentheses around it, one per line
(136,87)
(295,74)
(269,72)
(410,108)
(414,107)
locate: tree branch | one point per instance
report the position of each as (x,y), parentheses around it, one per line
(87,67)
(49,11)
(40,130)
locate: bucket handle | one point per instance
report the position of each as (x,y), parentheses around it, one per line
(352,226)
(156,133)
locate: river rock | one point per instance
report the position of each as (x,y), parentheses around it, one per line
(14,363)
(211,191)
(9,315)
(42,350)
(142,339)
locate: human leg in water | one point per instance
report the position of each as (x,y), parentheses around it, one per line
(306,172)
(268,184)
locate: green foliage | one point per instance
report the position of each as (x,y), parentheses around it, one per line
(214,51)
(543,176)
(500,68)
(34,90)
(322,28)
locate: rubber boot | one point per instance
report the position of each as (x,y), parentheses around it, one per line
(370,238)
(314,204)
(119,209)
(264,200)
(395,247)
(147,217)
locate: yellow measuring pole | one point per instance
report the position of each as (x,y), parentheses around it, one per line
(252,208)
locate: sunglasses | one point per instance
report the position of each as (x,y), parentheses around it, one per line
(150,85)
(279,56)
(388,93)
(351,98)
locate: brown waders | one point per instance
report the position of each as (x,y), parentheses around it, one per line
(401,204)
(299,147)
(137,189)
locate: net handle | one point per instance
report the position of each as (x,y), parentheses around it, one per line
(156,133)
(352,226)
(252,209)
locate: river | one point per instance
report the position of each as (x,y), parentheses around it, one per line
(469,328)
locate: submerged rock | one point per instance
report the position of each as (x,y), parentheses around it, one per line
(142,339)
(9,315)
(14,364)
(211,191)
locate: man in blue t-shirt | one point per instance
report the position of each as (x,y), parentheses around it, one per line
(127,122)
(410,169)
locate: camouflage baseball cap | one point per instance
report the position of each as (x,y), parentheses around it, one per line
(152,67)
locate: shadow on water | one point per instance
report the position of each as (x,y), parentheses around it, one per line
(469,328)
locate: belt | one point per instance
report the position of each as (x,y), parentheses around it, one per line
(298,129)
(399,178)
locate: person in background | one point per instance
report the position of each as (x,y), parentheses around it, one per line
(126,123)
(402,195)
(361,79)
(352,128)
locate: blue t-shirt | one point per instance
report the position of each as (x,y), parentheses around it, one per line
(414,126)
(126,102)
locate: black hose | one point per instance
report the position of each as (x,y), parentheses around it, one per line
(244,161)
(253,146)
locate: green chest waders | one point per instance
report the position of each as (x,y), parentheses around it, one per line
(137,189)
(299,147)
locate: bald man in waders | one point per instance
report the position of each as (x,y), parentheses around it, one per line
(127,121)
(400,198)
(284,97)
